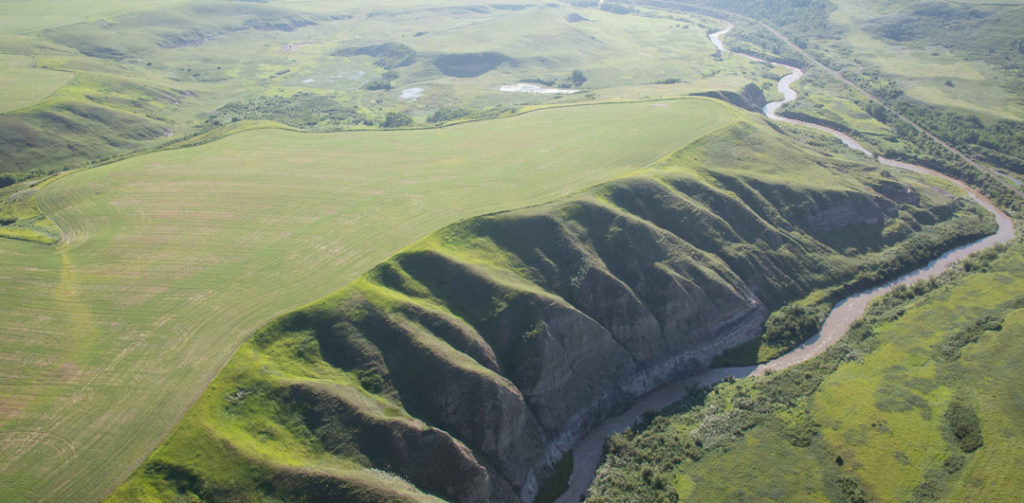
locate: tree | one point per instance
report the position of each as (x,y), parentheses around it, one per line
(964,425)
(396,119)
(577,78)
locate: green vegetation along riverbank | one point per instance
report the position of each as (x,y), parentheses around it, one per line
(917,403)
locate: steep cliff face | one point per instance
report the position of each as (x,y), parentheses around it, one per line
(472,360)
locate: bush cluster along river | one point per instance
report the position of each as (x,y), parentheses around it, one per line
(587,453)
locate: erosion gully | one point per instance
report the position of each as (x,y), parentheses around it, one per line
(587,452)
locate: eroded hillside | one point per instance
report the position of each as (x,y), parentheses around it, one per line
(469,362)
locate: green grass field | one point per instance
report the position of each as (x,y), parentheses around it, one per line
(903,388)
(22,17)
(922,67)
(171,259)
(884,415)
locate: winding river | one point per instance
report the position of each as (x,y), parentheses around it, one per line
(587,452)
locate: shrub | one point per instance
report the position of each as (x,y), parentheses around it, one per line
(396,119)
(9,179)
(794,323)
(949,348)
(964,424)
(378,85)
(577,78)
(445,114)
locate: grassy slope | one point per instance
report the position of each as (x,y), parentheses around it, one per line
(923,58)
(907,387)
(923,61)
(21,215)
(332,345)
(22,17)
(23,85)
(882,412)
(172,258)
(904,47)
(145,77)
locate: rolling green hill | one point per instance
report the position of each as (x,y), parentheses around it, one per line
(470,360)
(102,82)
